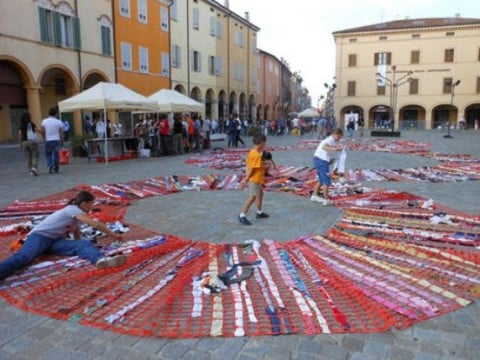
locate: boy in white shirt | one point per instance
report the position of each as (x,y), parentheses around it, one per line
(321,161)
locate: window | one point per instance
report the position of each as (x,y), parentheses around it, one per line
(59,29)
(449,55)
(270,89)
(219,29)
(478,85)
(174,10)
(126,56)
(125,8)
(196,61)
(383,58)
(165,64)
(451,33)
(270,66)
(106,40)
(239,72)
(164,18)
(352,60)
(143,56)
(254,47)
(413,86)
(176,56)
(142,11)
(211,65)
(196,18)
(60,86)
(381,90)
(415,36)
(213,25)
(351,88)
(218,66)
(447,85)
(354,40)
(415,57)
(478,54)
(383,38)
(239,39)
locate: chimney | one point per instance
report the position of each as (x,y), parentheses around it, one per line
(247,16)
(227,4)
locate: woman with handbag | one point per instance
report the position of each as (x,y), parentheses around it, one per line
(28,139)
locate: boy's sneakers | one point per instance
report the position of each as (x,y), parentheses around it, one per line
(316,198)
(111,261)
(33,171)
(327,202)
(262,215)
(243,220)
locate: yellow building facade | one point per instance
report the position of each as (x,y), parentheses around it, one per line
(213,57)
(51,50)
(423,73)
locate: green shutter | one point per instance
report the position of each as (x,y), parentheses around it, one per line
(104,40)
(57,29)
(108,40)
(76,33)
(42,16)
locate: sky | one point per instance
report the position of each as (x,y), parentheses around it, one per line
(301,30)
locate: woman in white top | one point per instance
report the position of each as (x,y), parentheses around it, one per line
(49,236)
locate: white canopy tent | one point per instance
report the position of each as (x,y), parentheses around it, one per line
(107,96)
(171,101)
(309,113)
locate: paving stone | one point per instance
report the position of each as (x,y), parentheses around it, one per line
(17,344)
(150,345)
(398,353)
(353,343)
(231,346)
(209,344)
(93,349)
(378,349)
(173,350)
(334,352)
(197,355)
(121,353)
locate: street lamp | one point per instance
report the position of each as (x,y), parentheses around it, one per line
(453,85)
(394,84)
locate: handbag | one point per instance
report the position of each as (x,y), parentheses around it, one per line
(31,135)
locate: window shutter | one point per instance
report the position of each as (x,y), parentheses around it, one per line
(192,59)
(199,61)
(478,85)
(108,37)
(77,42)
(376,59)
(174,10)
(104,41)
(219,31)
(389,58)
(196,18)
(57,29)
(213,25)
(42,16)
(165,64)
(179,56)
(164,18)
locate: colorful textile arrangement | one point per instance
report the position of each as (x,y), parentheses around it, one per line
(394,259)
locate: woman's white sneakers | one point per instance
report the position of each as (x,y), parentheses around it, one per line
(111,261)
(321,200)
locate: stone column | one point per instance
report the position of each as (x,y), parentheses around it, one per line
(33,101)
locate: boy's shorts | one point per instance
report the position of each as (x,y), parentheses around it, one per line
(323,171)
(255,189)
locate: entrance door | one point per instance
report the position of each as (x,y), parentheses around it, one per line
(16,113)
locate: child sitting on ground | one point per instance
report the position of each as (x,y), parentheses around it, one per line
(268,162)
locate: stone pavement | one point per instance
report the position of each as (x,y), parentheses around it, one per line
(211,216)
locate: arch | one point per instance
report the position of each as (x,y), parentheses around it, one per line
(378,116)
(242,108)
(27,76)
(196,94)
(252,114)
(412,117)
(75,88)
(93,77)
(260,114)
(443,114)
(65,8)
(232,103)
(105,20)
(266,113)
(180,88)
(472,113)
(209,100)
(222,108)
(355,109)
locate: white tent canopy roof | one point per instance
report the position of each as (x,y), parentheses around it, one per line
(172,101)
(109,96)
(309,113)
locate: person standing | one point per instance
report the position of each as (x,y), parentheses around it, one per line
(321,162)
(100,128)
(49,236)
(177,138)
(207,130)
(66,129)
(255,178)
(238,130)
(52,131)
(361,124)
(164,131)
(27,137)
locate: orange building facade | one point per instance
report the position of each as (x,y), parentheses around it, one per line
(142,44)
(269,74)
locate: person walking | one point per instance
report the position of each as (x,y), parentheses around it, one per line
(52,132)
(49,236)
(255,178)
(28,140)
